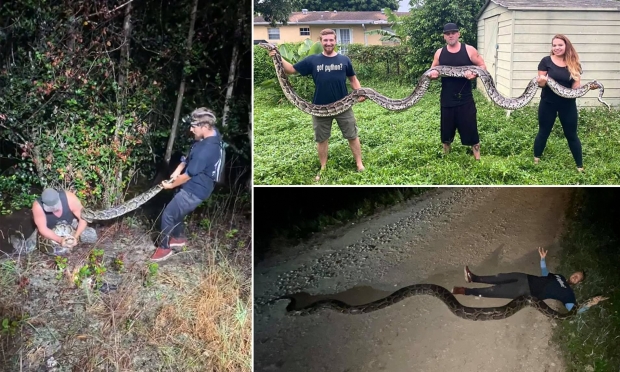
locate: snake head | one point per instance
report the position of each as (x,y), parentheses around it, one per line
(596,85)
(268,46)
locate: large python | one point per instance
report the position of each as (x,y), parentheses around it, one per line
(22,245)
(345,103)
(133,204)
(458,309)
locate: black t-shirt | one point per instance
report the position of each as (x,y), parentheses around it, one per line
(329,75)
(559,74)
(553,286)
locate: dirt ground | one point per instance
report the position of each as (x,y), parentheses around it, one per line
(426,240)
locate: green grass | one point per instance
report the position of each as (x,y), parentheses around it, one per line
(404,147)
(591,341)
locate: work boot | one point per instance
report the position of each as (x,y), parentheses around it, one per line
(458,290)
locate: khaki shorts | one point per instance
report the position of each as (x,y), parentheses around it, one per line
(323,126)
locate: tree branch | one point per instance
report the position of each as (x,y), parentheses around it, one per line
(113,10)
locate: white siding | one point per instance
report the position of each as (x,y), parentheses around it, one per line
(595,35)
(498,19)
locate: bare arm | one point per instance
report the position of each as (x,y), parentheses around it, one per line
(76,207)
(355,84)
(41,223)
(436,58)
(435,74)
(577,83)
(475,57)
(178,170)
(181,179)
(288,67)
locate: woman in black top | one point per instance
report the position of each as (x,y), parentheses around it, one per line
(562,66)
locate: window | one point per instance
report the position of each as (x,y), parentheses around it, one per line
(344,38)
(304,31)
(274,33)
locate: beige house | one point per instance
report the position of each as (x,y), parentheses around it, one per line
(514,35)
(350,27)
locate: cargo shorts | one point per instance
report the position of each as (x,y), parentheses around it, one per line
(323,126)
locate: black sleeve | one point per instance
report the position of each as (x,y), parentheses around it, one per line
(542,66)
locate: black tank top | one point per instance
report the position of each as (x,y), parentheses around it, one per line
(455,91)
(66,215)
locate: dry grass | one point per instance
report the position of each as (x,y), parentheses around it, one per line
(195,316)
(211,324)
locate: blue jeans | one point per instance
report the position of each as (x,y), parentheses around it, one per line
(172,223)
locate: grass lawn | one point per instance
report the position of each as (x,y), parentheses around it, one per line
(590,342)
(401,148)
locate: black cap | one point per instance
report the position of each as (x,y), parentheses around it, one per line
(450,27)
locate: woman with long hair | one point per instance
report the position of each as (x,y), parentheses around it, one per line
(563,66)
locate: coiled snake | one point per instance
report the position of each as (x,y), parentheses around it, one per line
(347,102)
(458,309)
(22,245)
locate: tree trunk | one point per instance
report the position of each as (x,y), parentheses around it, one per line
(232,73)
(250,126)
(177,110)
(114,192)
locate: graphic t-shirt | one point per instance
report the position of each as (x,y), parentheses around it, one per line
(553,286)
(329,75)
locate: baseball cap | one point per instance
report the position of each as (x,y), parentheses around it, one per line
(50,200)
(448,27)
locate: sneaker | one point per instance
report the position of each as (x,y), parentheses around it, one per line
(161,254)
(467,275)
(177,242)
(458,290)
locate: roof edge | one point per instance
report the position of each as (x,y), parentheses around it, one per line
(486,4)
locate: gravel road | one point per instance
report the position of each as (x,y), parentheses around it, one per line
(425,240)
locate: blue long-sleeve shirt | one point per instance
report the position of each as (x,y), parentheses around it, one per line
(570,305)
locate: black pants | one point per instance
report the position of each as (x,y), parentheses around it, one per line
(463,118)
(509,285)
(172,224)
(567,111)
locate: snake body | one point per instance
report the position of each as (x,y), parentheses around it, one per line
(458,309)
(133,204)
(424,81)
(24,246)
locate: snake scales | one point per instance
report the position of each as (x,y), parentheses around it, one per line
(347,102)
(22,245)
(133,204)
(469,313)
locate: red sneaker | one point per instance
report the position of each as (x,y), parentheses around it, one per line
(177,242)
(161,254)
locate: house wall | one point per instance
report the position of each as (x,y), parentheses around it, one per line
(495,29)
(524,38)
(291,33)
(592,33)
